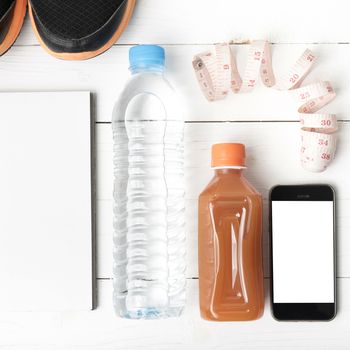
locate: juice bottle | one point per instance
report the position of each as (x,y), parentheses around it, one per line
(231,283)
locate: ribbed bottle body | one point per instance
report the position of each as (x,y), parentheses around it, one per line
(149,212)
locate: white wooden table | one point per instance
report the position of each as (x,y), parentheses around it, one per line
(265,121)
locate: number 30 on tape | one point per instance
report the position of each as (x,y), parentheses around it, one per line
(217,74)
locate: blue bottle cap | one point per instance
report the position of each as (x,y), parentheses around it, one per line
(146,56)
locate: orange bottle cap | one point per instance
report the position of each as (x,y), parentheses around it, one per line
(228,155)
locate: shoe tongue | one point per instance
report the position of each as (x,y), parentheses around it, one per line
(4,7)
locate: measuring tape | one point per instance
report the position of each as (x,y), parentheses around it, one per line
(217,74)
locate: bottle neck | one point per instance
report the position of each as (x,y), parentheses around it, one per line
(236,172)
(157,69)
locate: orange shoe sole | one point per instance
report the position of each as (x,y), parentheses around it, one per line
(15,27)
(88,54)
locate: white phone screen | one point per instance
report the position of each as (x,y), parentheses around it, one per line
(303,261)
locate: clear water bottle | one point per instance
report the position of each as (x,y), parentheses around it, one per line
(149,211)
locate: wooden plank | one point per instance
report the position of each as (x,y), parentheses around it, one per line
(202,21)
(30,69)
(272,156)
(101,329)
(272,159)
(105,248)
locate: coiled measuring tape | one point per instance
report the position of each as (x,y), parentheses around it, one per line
(217,74)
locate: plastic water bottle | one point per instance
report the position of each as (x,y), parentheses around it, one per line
(149,211)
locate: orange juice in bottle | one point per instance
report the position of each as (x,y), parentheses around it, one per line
(231,286)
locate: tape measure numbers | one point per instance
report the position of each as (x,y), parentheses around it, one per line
(217,74)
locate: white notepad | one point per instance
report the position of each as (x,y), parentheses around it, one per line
(45,202)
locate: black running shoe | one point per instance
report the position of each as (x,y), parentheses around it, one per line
(12,13)
(79,29)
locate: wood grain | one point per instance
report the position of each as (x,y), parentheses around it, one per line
(205,21)
(268,164)
(30,68)
(101,329)
(266,121)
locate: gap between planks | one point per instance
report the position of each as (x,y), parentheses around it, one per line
(234,121)
(208,44)
(196,278)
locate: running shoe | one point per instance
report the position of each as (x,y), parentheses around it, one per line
(79,29)
(12,13)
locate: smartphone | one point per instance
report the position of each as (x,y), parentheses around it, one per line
(302,251)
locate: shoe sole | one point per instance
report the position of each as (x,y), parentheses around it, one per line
(15,27)
(87,54)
